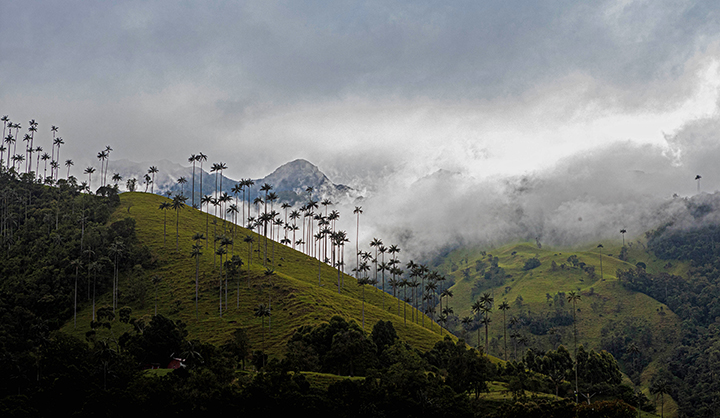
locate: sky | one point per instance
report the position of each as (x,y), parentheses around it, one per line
(533,108)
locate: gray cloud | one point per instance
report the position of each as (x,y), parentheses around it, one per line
(381,94)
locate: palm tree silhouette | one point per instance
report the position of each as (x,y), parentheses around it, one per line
(698,177)
(178,203)
(573,298)
(504,306)
(193,160)
(152,170)
(196,253)
(201,158)
(262,311)
(357,211)
(164,206)
(623,231)
(182,181)
(487,300)
(89,171)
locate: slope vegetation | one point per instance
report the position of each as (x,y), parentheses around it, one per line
(287,282)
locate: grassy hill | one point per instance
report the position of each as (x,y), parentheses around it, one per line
(607,314)
(291,290)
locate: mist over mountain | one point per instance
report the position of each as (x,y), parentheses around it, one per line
(290,181)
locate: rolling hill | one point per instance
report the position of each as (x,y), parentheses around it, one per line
(288,283)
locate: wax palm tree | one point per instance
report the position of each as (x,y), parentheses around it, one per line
(660,388)
(58,141)
(196,253)
(152,170)
(116,249)
(221,252)
(178,203)
(623,231)
(102,156)
(574,298)
(600,247)
(10,140)
(89,171)
(116,178)
(248,184)
(504,306)
(262,311)
(77,263)
(5,121)
(182,181)
(54,166)
(165,206)
(477,309)
(108,150)
(193,160)
(201,158)
(147,181)
(45,157)
(698,177)
(357,211)
(487,300)
(362,281)
(206,200)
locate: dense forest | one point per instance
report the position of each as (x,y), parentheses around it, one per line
(691,372)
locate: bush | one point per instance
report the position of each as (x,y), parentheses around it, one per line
(531,264)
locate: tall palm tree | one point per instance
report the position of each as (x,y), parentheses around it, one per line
(77,263)
(206,200)
(58,141)
(68,164)
(193,160)
(623,231)
(698,177)
(182,181)
(10,140)
(196,253)
(201,158)
(477,309)
(600,247)
(574,298)
(45,157)
(89,171)
(262,311)
(152,170)
(487,300)
(5,121)
(504,306)
(357,211)
(108,150)
(102,156)
(178,203)
(660,387)
(164,206)
(248,184)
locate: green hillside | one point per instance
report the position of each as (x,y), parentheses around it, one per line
(609,316)
(291,290)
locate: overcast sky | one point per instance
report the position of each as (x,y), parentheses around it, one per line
(375,89)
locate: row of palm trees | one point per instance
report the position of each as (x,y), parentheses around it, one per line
(9,145)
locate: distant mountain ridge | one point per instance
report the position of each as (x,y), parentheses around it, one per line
(290,181)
